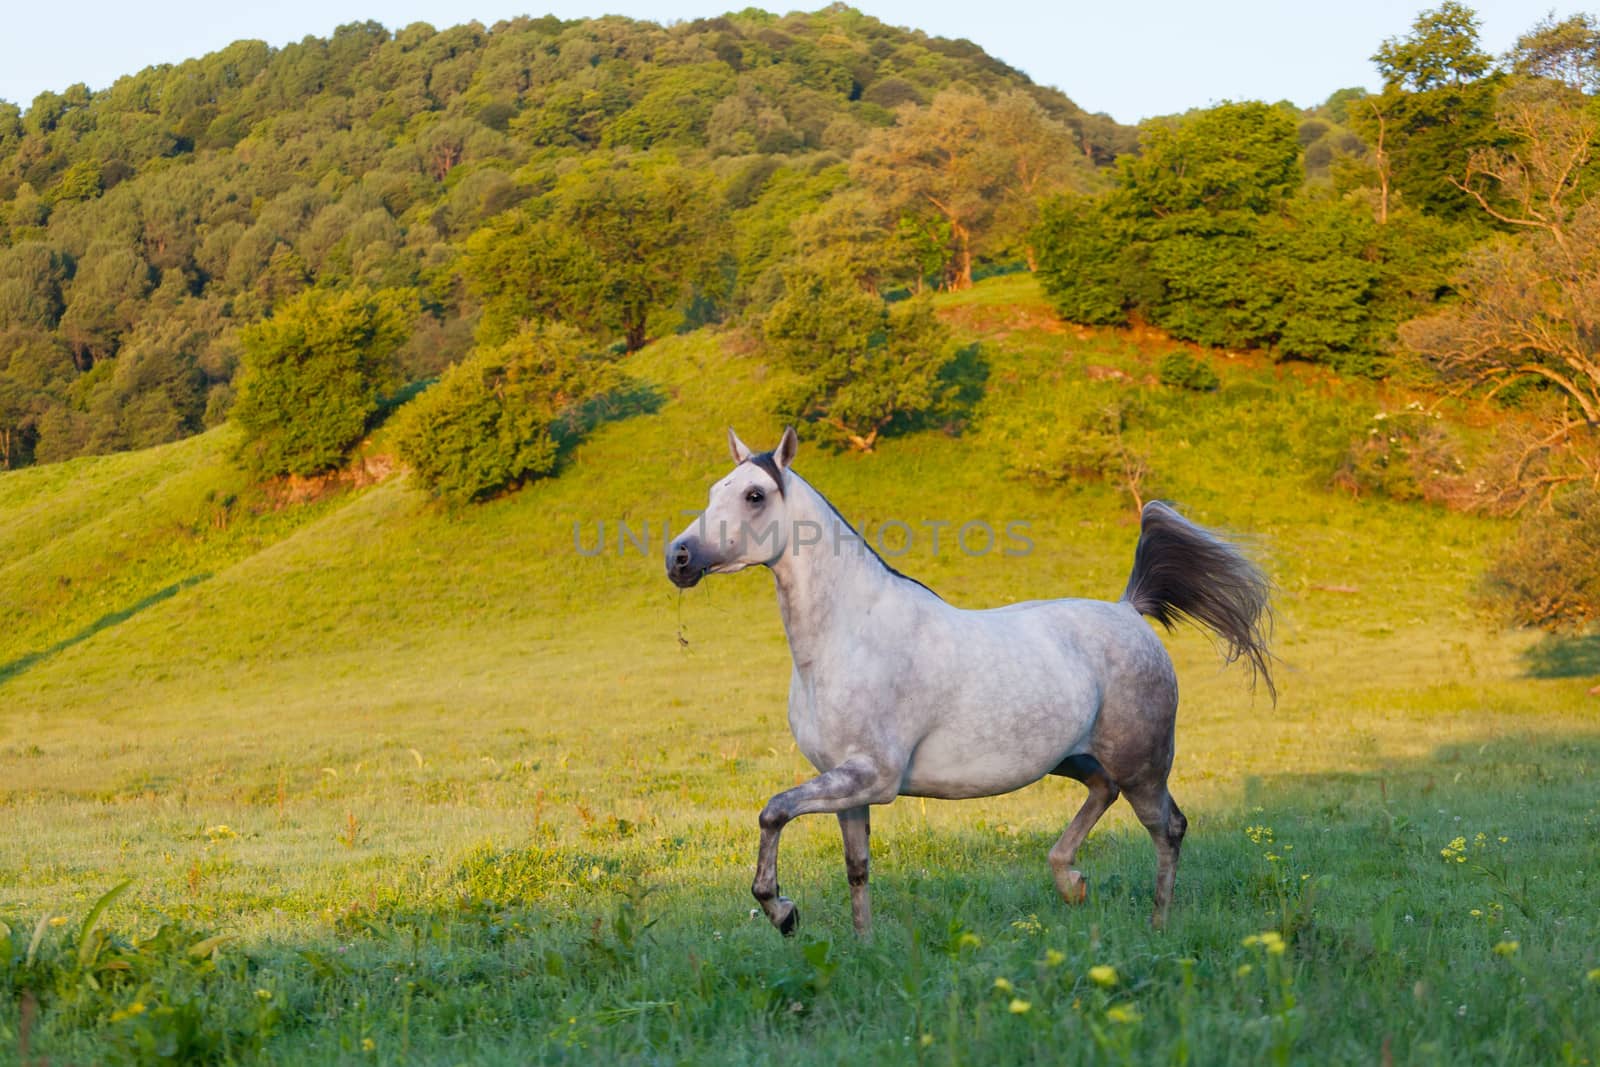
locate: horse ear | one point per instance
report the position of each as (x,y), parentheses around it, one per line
(788,445)
(740,450)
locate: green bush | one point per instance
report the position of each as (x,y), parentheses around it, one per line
(1183,371)
(502,415)
(312,375)
(867,367)
(1094,448)
(1209,235)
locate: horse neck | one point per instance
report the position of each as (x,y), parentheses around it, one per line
(823,586)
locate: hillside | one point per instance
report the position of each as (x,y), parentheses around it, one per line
(143,224)
(376,606)
(327,729)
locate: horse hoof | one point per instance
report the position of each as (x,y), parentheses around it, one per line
(1074,888)
(788,918)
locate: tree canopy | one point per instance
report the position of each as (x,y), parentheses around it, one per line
(622,176)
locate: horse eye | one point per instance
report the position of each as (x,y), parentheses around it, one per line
(755,496)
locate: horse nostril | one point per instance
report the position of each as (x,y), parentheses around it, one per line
(680,557)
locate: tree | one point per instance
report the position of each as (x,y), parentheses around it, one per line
(1178,236)
(1211,236)
(1529,309)
(1535,183)
(863,365)
(846,236)
(103,301)
(1193,203)
(1442,49)
(1567,51)
(1242,157)
(34,379)
(969,161)
(1530,303)
(312,375)
(244,177)
(502,415)
(607,249)
(1436,108)
(31,275)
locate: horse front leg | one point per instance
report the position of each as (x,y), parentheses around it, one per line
(855,783)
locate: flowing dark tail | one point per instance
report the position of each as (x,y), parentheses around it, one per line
(1183,571)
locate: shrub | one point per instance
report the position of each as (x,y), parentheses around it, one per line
(312,374)
(503,414)
(1096,449)
(1405,455)
(1183,371)
(1548,574)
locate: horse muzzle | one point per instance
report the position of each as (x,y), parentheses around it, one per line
(685,562)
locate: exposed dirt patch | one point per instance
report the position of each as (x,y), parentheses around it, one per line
(363,471)
(1002,320)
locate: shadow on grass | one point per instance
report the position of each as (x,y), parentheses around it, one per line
(1557,656)
(17,666)
(633,398)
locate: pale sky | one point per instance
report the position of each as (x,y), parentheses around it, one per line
(1132,59)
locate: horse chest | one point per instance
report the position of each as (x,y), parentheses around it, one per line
(827,718)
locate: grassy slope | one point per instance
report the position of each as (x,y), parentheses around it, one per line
(393,709)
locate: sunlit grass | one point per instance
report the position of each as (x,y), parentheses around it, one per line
(450,788)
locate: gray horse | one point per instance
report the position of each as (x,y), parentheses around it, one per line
(895,692)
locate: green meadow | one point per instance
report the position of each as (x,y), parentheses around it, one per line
(351,777)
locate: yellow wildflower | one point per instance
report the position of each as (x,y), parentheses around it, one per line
(263,994)
(1103,975)
(1594,976)
(1272,941)
(58,920)
(1126,1014)
(1019,1006)
(969,940)
(1244,970)
(1507,948)
(1003,984)
(367,1044)
(1054,958)
(926,1040)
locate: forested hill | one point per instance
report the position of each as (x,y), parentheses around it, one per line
(143,224)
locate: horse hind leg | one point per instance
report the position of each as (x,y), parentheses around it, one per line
(1102,794)
(1162,818)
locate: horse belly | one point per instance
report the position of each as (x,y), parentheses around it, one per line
(997,755)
